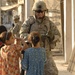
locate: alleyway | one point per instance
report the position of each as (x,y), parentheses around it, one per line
(61,65)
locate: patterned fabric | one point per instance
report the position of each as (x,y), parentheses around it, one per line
(34,60)
(0,65)
(9,60)
(43,26)
(50,66)
(16,28)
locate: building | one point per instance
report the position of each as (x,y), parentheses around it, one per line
(10,8)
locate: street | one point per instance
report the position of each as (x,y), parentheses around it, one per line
(61,65)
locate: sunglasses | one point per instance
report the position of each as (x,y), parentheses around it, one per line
(39,11)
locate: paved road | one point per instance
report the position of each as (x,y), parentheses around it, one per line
(61,65)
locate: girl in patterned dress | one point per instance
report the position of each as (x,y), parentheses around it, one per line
(10,53)
(2,29)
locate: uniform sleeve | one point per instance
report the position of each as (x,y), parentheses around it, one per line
(25,27)
(54,32)
(54,29)
(54,35)
(25,61)
(15,29)
(47,23)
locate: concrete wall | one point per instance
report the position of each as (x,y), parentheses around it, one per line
(74,21)
(73,24)
(67,29)
(28,8)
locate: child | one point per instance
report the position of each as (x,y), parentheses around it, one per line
(2,29)
(34,57)
(10,54)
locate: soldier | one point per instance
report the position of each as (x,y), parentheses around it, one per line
(16,26)
(49,33)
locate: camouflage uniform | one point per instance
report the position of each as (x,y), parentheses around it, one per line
(44,27)
(16,27)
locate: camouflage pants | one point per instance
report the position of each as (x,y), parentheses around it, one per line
(50,66)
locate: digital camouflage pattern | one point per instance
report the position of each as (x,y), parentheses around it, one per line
(15,30)
(44,27)
(39,5)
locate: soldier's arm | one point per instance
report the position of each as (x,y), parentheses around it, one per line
(54,31)
(25,28)
(15,29)
(47,23)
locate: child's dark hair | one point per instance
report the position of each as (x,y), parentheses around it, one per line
(5,36)
(2,29)
(34,37)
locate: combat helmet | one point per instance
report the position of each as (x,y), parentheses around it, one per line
(39,5)
(16,17)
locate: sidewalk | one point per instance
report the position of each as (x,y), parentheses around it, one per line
(61,65)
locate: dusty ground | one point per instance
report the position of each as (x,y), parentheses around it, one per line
(61,65)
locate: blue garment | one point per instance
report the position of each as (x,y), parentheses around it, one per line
(34,60)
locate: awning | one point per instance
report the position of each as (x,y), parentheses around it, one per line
(5,8)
